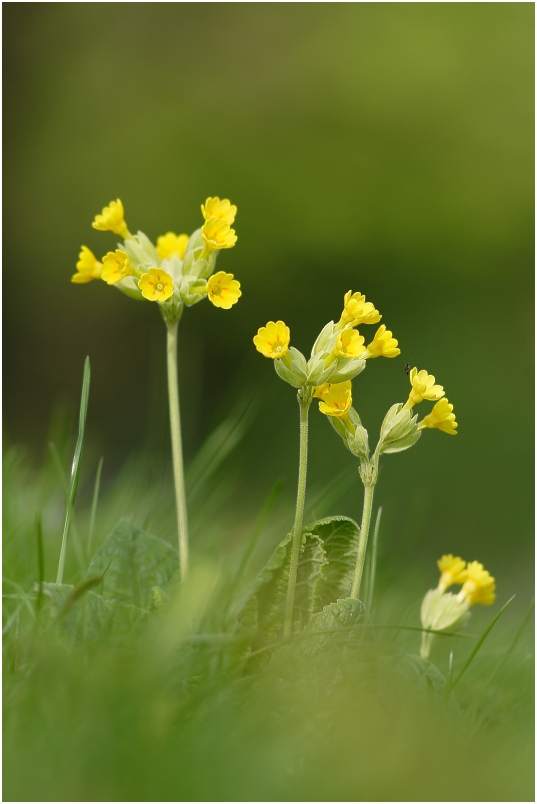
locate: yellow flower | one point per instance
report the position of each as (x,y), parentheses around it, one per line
(156,285)
(349,344)
(453,570)
(441,417)
(273,340)
(423,387)
(337,399)
(214,208)
(479,586)
(112,220)
(116,266)
(172,245)
(357,311)
(320,390)
(88,267)
(382,344)
(222,290)
(217,234)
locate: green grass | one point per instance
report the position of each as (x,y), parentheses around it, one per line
(164,712)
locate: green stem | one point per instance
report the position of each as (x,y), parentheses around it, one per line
(304,400)
(177,450)
(369,488)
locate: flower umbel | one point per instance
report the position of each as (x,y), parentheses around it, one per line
(222,290)
(88,267)
(156,285)
(217,234)
(357,311)
(116,266)
(111,220)
(172,245)
(214,208)
(336,399)
(382,345)
(273,340)
(479,586)
(452,569)
(441,418)
(423,387)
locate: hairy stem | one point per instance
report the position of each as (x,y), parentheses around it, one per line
(304,401)
(177,449)
(369,488)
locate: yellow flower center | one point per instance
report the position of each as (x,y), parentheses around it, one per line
(276,347)
(159,287)
(217,290)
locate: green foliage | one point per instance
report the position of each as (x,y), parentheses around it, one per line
(327,558)
(132,562)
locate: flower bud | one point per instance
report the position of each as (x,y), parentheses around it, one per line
(399,430)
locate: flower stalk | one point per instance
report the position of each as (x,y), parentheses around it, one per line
(368,473)
(304,400)
(177,448)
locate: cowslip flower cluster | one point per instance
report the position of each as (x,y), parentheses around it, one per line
(447,612)
(338,354)
(177,272)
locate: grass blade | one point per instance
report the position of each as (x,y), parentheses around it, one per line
(40,564)
(473,654)
(473,706)
(57,461)
(94,505)
(75,470)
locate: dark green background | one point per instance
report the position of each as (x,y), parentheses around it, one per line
(382,147)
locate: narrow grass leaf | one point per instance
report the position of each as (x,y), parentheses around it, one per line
(94,506)
(473,654)
(75,470)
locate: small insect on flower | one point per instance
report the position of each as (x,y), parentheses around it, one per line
(407,369)
(156,285)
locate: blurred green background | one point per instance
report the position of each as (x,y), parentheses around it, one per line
(382,147)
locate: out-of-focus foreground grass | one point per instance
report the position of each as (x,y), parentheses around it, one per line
(161,715)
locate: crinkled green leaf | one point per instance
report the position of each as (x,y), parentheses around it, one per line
(133,562)
(339,536)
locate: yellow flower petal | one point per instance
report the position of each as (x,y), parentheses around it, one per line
(222,290)
(337,399)
(273,340)
(88,267)
(441,418)
(349,344)
(452,569)
(357,311)
(217,234)
(112,220)
(423,387)
(214,208)
(382,344)
(479,586)
(172,245)
(116,266)
(156,285)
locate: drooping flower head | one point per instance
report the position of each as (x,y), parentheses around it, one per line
(273,340)
(382,345)
(452,569)
(423,387)
(349,344)
(172,245)
(357,311)
(156,285)
(88,267)
(112,220)
(116,266)
(217,234)
(336,398)
(441,418)
(479,586)
(222,290)
(214,208)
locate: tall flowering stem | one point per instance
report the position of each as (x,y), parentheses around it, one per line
(304,400)
(368,473)
(177,449)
